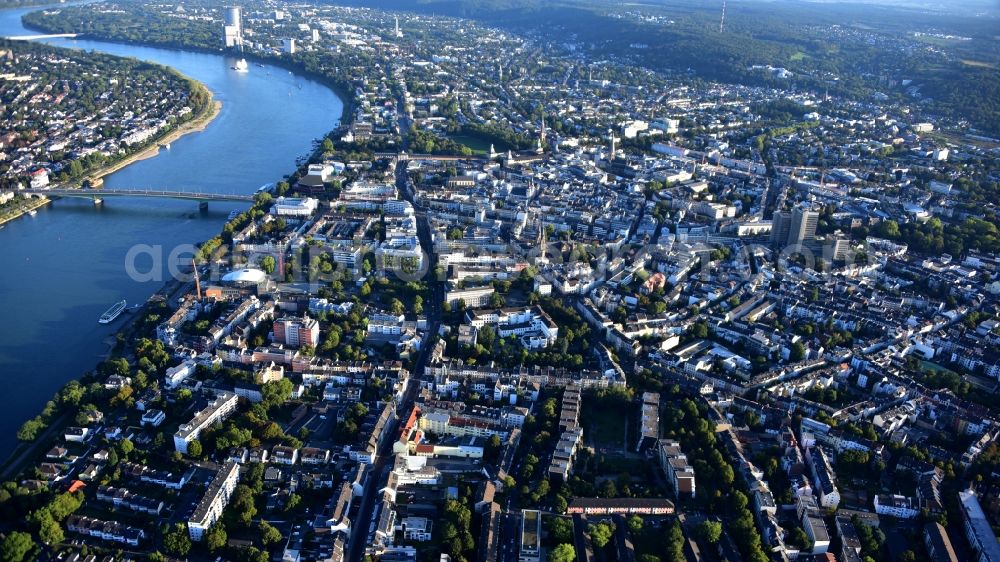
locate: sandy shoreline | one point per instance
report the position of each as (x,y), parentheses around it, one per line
(34,203)
(196,125)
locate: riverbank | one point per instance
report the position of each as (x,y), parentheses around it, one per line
(195,125)
(26,452)
(25,206)
(236,153)
(343,90)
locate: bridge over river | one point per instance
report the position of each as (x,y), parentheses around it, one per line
(38,37)
(98,195)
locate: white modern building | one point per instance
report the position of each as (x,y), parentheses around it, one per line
(473,297)
(294,206)
(218,409)
(177,374)
(417,528)
(532,326)
(216,497)
(900,507)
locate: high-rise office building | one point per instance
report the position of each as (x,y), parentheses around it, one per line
(795,227)
(803,226)
(780,225)
(232,27)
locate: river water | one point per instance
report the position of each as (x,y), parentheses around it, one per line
(63,267)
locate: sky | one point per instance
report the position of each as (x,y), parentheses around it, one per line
(963,5)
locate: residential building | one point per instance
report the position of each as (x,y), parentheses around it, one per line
(153,418)
(105,530)
(531,536)
(938,544)
(296,332)
(978,529)
(218,408)
(622,506)
(649,421)
(417,529)
(216,497)
(823,478)
(818,534)
(897,506)
(791,228)
(675,466)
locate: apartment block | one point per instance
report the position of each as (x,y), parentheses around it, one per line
(675,466)
(218,409)
(216,497)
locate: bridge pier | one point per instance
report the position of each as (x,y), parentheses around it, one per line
(203,206)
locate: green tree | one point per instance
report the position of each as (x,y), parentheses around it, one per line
(601,533)
(126,447)
(30,429)
(608,489)
(562,553)
(560,530)
(496,300)
(397,307)
(216,537)
(559,505)
(254,554)
(50,532)
(699,330)
(269,534)
(675,542)
(194,448)
(710,531)
(177,541)
(267,264)
(15,546)
(799,538)
(798,352)
(635,524)
(887,229)
(276,392)
(62,506)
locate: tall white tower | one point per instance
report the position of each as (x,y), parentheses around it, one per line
(399,34)
(232,27)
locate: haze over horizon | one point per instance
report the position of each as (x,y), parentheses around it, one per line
(966,7)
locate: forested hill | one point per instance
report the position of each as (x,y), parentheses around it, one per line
(19,3)
(844,49)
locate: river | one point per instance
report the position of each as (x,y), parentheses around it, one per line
(63,267)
